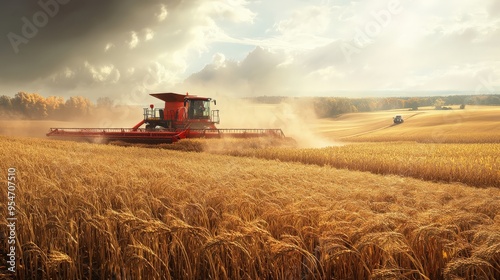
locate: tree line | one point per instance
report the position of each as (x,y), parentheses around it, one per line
(326,107)
(35,106)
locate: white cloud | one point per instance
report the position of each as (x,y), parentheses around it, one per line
(232,10)
(307,20)
(163,13)
(134,40)
(68,73)
(148,34)
(103,73)
(219,60)
(326,74)
(108,47)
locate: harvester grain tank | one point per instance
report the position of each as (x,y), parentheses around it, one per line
(183,116)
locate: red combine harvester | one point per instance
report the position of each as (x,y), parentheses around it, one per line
(184,116)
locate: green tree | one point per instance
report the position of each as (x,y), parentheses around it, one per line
(412,103)
(438,104)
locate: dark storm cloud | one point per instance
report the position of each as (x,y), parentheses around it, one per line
(37,37)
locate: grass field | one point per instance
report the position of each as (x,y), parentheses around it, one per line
(89,211)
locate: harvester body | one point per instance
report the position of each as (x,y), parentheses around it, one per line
(181,111)
(184,116)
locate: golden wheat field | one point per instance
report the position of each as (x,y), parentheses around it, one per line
(475,124)
(473,164)
(89,211)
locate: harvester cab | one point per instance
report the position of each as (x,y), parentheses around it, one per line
(199,115)
(180,112)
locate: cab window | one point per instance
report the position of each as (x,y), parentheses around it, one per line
(199,109)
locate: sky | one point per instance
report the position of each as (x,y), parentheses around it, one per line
(126,49)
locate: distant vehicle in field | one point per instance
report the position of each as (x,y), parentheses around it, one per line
(398,119)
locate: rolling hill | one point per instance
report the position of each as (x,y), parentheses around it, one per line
(472,125)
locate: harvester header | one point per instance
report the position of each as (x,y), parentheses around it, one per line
(183,116)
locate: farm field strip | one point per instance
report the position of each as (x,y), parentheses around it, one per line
(100,211)
(473,164)
(477,124)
